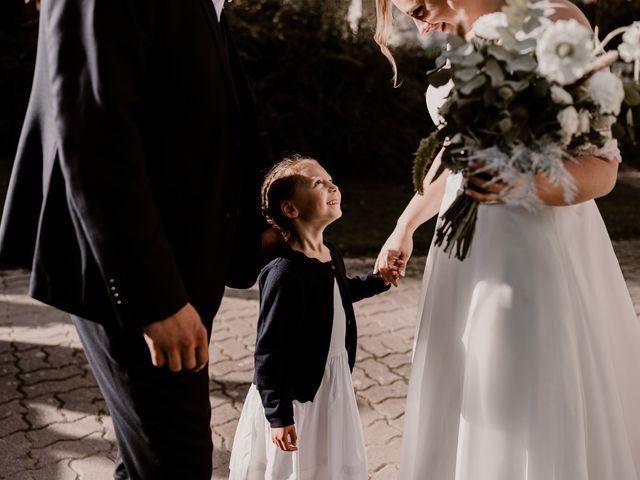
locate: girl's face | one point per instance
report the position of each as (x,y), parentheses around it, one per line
(316,199)
(428,15)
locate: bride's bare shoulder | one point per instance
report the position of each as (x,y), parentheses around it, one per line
(565,10)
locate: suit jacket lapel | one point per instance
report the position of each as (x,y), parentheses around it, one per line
(221,47)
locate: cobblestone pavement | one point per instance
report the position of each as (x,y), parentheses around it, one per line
(53,420)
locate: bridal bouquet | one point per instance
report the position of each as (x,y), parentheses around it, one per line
(528,95)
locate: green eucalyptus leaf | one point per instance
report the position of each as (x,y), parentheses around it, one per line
(523,63)
(517,86)
(441,61)
(472,60)
(455,41)
(631,95)
(439,77)
(489,96)
(541,88)
(433,51)
(446,106)
(495,72)
(526,46)
(500,53)
(507,37)
(473,85)
(464,50)
(466,74)
(533,21)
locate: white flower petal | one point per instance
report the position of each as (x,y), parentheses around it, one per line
(565,52)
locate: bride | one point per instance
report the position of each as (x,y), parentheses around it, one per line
(526,364)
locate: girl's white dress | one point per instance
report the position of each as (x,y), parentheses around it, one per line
(330,439)
(526,363)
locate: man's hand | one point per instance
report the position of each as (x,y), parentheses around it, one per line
(285,438)
(179,341)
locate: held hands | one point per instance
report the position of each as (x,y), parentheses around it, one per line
(285,438)
(180,341)
(394,255)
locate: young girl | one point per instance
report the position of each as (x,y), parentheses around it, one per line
(300,418)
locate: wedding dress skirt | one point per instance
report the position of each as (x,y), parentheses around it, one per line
(526,363)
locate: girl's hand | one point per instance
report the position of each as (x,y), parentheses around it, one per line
(394,255)
(285,438)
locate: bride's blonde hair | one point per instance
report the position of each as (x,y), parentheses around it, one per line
(384,29)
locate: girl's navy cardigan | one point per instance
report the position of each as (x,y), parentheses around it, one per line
(295,323)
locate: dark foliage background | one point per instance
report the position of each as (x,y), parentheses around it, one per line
(321,89)
(324,91)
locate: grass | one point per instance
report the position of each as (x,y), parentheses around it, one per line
(371,207)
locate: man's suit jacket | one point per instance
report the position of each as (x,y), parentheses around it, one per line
(135,187)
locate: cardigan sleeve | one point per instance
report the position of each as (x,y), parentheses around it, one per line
(280,295)
(365,286)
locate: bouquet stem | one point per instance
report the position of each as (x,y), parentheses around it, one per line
(458,226)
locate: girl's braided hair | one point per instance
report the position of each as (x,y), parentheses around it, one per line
(279,185)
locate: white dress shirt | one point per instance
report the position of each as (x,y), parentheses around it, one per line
(219,5)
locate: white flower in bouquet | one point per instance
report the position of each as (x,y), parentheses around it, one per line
(487,25)
(630,47)
(603,123)
(569,123)
(584,121)
(607,91)
(560,96)
(565,52)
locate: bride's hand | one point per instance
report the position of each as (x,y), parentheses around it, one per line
(483,191)
(394,254)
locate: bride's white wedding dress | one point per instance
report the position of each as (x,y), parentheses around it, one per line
(526,363)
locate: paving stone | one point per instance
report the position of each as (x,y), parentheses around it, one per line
(360,380)
(66,432)
(51,374)
(15,450)
(387,472)
(378,371)
(65,412)
(380,432)
(12,419)
(380,456)
(396,360)
(9,370)
(50,387)
(6,353)
(9,389)
(390,408)
(225,413)
(226,431)
(379,393)
(93,467)
(397,344)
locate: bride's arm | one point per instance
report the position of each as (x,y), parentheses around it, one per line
(594,177)
(420,208)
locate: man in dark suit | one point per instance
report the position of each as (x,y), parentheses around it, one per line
(134,199)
